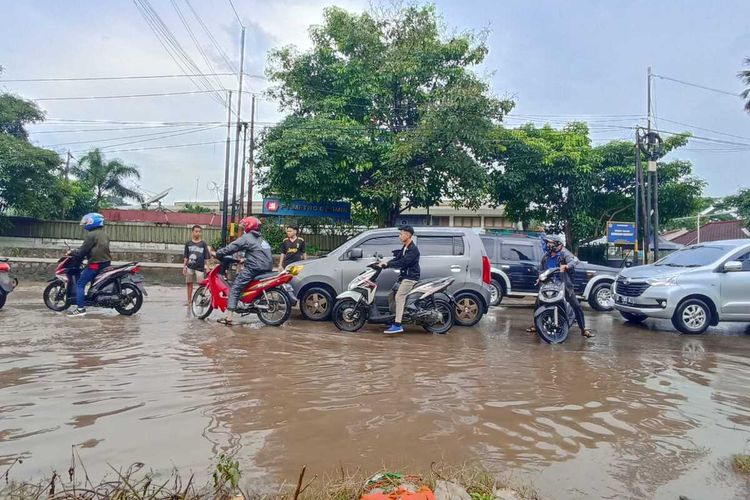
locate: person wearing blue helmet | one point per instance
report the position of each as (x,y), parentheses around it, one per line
(95,248)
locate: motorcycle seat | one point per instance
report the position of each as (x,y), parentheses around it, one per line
(113,268)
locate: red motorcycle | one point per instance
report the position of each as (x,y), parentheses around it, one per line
(7,284)
(265,296)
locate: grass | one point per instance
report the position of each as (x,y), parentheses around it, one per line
(138,483)
(741,464)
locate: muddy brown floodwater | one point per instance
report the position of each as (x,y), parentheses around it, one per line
(638,412)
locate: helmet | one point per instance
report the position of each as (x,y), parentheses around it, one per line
(92,221)
(250,224)
(553,243)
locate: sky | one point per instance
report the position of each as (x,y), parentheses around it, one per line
(559,61)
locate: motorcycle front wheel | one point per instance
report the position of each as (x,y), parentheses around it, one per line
(449,318)
(200,304)
(279,307)
(547,329)
(55,296)
(346,317)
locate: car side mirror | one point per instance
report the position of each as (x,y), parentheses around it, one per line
(732,266)
(355,254)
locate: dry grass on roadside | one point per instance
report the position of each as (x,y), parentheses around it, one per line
(741,464)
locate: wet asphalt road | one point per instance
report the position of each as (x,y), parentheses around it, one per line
(637,412)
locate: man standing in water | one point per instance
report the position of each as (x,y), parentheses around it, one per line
(407,260)
(197,252)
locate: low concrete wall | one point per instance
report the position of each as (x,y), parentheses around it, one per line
(44,248)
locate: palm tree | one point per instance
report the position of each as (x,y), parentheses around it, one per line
(745,77)
(106,178)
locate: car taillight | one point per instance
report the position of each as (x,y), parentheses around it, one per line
(136,269)
(486,275)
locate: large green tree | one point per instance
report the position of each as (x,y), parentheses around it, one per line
(384,111)
(558,177)
(741,203)
(107,179)
(28,181)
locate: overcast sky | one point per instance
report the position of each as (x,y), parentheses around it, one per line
(559,61)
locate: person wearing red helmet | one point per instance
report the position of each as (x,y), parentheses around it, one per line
(258,260)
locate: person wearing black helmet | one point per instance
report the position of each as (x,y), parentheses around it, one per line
(406,259)
(556,255)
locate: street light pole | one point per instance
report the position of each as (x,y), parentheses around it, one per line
(241,207)
(239,125)
(226,171)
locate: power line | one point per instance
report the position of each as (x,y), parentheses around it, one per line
(159,147)
(127,77)
(96,130)
(705,129)
(211,37)
(235,13)
(122,96)
(690,84)
(161,135)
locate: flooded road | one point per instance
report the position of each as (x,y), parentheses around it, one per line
(637,412)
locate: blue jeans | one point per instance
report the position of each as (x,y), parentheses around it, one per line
(86,277)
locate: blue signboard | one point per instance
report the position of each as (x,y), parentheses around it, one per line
(338,210)
(621,233)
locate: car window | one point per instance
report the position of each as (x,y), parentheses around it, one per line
(380,245)
(517,251)
(696,256)
(490,244)
(440,245)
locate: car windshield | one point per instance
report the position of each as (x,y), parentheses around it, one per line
(693,257)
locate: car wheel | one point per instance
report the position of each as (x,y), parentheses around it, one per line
(316,304)
(468,309)
(601,298)
(632,317)
(693,316)
(496,293)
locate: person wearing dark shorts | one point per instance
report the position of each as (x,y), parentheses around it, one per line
(293,248)
(196,254)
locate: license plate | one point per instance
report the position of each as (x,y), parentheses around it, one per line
(628,301)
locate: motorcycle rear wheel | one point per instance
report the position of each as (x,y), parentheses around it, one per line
(449,318)
(55,297)
(548,332)
(200,304)
(133,300)
(279,307)
(343,316)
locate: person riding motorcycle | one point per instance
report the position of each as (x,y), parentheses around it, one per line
(95,248)
(257,260)
(557,256)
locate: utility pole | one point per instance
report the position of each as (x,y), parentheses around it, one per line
(65,176)
(251,159)
(637,195)
(239,126)
(226,171)
(242,176)
(652,175)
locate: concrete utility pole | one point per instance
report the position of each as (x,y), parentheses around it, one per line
(242,176)
(65,177)
(239,126)
(251,159)
(226,171)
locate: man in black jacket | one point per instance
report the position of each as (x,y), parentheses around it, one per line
(407,260)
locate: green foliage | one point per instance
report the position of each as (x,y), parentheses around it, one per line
(78,199)
(383,108)
(274,234)
(556,176)
(741,203)
(195,209)
(227,471)
(106,178)
(15,114)
(744,75)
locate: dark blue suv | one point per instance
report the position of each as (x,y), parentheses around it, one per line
(515,268)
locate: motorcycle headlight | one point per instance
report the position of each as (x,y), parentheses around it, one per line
(668,280)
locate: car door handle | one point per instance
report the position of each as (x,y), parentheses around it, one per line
(455,269)
(505,267)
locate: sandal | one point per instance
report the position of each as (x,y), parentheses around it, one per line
(586,332)
(225,321)
(531,329)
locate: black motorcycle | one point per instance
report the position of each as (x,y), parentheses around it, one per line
(553,315)
(427,304)
(116,287)
(7,284)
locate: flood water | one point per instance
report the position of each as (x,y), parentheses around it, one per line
(638,412)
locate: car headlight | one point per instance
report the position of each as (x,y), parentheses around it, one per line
(668,280)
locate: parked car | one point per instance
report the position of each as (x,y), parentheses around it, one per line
(453,252)
(515,269)
(695,287)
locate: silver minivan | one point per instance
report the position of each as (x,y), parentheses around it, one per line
(695,287)
(445,251)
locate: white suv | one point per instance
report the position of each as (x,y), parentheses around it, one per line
(695,287)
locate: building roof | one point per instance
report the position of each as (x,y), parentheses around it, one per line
(715,231)
(158,217)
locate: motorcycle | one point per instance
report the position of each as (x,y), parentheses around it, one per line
(265,296)
(7,284)
(427,304)
(553,315)
(115,287)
